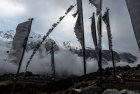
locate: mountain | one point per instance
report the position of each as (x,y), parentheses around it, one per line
(127,57)
(10,34)
(35,39)
(7,35)
(124,56)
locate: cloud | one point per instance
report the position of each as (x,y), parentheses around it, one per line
(65,62)
(47,12)
(11,9)
(121,27)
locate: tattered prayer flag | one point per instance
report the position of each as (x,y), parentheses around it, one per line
(97,4)
(106,20)
(22,32)
(93,30)
(134,11)
(78,30)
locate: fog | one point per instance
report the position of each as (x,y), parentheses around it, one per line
(66,62)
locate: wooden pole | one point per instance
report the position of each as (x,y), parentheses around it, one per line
(110,45)
(80,12)
(100,46)
(52,60)
(114,67)
(20,62)
(107,21)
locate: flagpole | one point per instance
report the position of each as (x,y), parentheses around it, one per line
(114,69)
(106,19)
(20,62)
(80,11)
(110,46)
(52,61)
(100,46)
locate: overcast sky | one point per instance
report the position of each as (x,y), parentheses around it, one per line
(47,12)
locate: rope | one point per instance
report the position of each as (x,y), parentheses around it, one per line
(47,34)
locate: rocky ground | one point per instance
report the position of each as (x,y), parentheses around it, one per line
(127,78)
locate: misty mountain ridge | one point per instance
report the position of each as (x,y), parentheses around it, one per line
(9,35)
(123,56)
(35,39)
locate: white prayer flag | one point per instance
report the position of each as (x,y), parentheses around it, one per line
(22,32)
